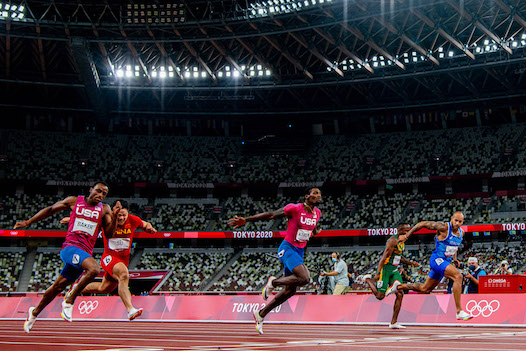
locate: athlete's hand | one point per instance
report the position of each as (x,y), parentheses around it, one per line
(402,238)
(116,209)
(64,220)
(21,225)
(415,264)
(456,263)
(149,229)
(237,222)
(322,274)
(376,277)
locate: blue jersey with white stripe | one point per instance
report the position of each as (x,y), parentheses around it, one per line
(447,248)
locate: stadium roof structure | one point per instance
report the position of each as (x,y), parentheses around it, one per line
(259,57)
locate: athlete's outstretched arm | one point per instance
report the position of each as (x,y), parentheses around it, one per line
(147,227)
(389,249)
(265,216)
(439,226)
(62,205)
(409,263)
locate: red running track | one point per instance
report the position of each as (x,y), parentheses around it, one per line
(157,336)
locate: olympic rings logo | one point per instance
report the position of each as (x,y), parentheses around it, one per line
(483,307)
(86,307)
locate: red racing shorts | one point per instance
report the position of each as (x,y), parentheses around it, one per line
(109,260)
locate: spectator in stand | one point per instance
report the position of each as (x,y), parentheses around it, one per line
(339,273)
(473,275)
(504,268)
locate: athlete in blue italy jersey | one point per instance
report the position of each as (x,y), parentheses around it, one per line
(447,241)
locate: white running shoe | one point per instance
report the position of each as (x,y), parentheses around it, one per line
(267,290)
(259,321)
(70,291)
(67,311)
(31,319)
(464,316)
(396,326)
(134,313)
(393,288)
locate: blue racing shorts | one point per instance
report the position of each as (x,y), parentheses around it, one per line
(438,267)
(72,257)
(290,255)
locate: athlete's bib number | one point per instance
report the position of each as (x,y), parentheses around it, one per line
(396,260)
(84,226)
(303,235)
(119,243)
(451,250)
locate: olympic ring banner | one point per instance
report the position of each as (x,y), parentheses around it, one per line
(488,309)
(268,234)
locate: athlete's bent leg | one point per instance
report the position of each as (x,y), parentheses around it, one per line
(108,285)
(91,270)
(452,273)
(121,274)
(299,277)
(58,286)
(425,288)
(372,285)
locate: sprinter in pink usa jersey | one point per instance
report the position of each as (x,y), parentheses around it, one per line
(302,225)
(88,215)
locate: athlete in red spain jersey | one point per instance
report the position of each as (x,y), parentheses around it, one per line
(116,258)
(88,216)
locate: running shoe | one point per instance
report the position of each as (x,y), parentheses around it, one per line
(393,288)
(464,316)
(31,319)
(267,290)
(259,321)
(67,311)
(134,313)
(396,326)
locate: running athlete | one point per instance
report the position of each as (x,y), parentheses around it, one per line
(87,217)
(388,274)
(447,240)
(301,226)
(116,258)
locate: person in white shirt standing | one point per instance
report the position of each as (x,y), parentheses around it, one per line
(339,272)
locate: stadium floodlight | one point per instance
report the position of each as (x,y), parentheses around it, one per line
(268,72)
(120,73)
(486,42)
(220,74)
(451,53)
(236,74)
(187,74)
(128,74)
(6,7)
(154,74)
(196,74)
(162,74)
(171,74)
(203,74)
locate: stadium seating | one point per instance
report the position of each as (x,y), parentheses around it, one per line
(11,264)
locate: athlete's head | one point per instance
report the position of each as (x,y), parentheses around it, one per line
(98,192)
(403,228)
(312,195)
(457,220)
(122,216)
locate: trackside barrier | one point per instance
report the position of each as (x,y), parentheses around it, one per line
(488,309)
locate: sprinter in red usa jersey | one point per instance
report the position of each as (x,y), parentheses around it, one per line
(301,226)
(88,216)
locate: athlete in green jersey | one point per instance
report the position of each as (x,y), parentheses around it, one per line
(388,277)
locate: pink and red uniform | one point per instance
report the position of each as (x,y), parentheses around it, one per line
(299,229)
(84,225)
(117,248)
(300,224)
